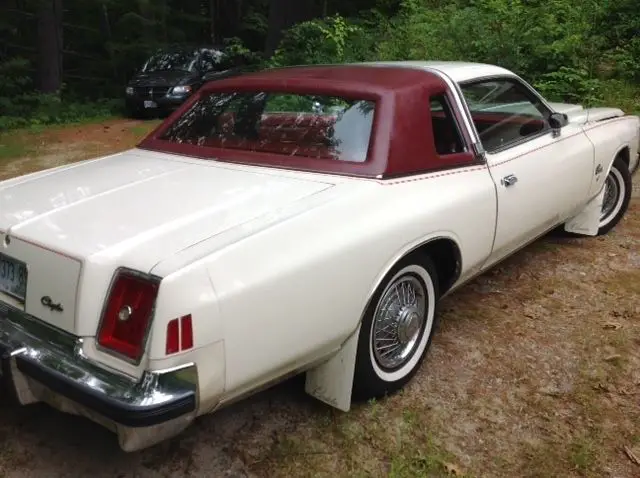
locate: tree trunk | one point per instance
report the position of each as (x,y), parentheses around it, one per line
(283,14)
(50,45)
(213,13)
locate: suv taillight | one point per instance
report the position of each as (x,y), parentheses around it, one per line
(127,314)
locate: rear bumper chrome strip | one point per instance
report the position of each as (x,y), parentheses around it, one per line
(43,364)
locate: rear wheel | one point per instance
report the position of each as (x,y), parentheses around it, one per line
(397,328)
(617,194)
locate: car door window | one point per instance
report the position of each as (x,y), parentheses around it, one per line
(505,112)
(446,135)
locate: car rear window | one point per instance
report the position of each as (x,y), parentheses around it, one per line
(314,126)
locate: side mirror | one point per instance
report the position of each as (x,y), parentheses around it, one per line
(557,121)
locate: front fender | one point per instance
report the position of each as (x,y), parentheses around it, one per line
(609,139)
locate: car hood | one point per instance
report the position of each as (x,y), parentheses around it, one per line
(162,78)
(137,208)
(578,114)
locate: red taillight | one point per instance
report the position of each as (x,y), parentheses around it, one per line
(127,314)
(173,337)
(179,335)
(186,337)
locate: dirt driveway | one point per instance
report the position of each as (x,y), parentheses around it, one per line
(535,372)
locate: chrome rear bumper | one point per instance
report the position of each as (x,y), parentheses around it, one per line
(43,364)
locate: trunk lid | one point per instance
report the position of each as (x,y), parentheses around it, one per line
(73,227)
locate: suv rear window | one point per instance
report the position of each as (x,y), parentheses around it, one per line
(314,126)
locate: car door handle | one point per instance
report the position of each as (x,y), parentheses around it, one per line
(509,180)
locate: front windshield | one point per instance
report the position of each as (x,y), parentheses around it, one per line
(312,126)
(171,60)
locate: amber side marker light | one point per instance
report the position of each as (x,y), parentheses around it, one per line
(127,315)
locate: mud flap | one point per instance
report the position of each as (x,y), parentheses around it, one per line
(588,220)
(332,381)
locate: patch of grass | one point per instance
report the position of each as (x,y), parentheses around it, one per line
(540,460)
(49,109)
(14,147)
(373,440)
(424,458)
(97,137)
(583,456)
(82,121)
(623,95)
(144,129)
(624,282)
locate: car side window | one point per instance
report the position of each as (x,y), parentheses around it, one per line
(446,135)
(504,112)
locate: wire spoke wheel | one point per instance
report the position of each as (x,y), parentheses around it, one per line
(399,321)
(614,196)
(397,328)
(611,195)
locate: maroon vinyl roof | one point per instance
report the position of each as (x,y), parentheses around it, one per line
(352,77)
(401,140)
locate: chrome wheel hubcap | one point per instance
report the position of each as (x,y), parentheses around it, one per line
(409,322)
(399,321)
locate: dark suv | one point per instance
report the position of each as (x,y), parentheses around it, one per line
(171,75)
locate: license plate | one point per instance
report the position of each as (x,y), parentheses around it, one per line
(13,277)
(150,104)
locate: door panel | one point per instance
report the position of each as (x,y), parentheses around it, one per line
(542,178)
(553,178)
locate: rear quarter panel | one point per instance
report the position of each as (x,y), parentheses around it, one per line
(290,294)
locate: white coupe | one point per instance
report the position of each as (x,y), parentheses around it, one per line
(292,220)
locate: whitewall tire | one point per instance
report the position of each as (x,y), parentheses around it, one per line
(616,196)
(397,328)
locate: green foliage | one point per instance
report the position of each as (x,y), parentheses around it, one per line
(523,36)
(21,106)
(571,85)
(570,52)
(15,77)
(587,52)
(331,40)
(237,49)
(39,109)
(621,94)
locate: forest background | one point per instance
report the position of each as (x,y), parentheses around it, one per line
(68,60)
